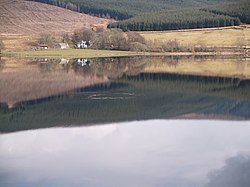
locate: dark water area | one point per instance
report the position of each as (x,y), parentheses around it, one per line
(127,122)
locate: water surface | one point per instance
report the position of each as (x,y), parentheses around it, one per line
(147,153)
(160,121)
(40,93)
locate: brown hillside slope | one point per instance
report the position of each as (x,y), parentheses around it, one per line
(27,17)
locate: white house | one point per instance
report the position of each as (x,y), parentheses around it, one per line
(82,44)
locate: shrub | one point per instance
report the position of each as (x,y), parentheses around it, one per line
(138,47)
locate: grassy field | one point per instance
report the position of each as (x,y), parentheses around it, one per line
(212,37)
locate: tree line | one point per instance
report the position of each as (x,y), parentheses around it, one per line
(174,20)
(218,16)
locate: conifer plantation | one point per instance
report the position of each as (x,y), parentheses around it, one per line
(215,16)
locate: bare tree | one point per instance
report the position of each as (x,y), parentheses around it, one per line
(171,46)
(82,34)
(135,37)
(66,38)
(138,47)
(103,40)
(46,39)
(113,39)
(118,40)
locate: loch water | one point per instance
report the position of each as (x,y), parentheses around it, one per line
(125,121)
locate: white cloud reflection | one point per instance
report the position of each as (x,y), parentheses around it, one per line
(148,153)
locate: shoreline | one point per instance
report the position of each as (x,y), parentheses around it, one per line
(89,53)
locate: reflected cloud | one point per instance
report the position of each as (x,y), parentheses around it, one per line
(235,173)
(165,153)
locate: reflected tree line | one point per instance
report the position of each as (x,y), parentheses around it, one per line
(114,67)
(2,64)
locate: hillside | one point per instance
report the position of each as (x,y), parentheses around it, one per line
(27,17)
(123,9)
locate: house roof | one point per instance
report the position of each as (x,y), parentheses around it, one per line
(44,45)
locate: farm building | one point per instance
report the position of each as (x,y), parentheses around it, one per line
(44,46)
(62,46)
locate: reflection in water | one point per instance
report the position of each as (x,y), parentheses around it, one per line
(30,82)
(236,172)
(148,153)
(2,64)
(38,94)
(78,92)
